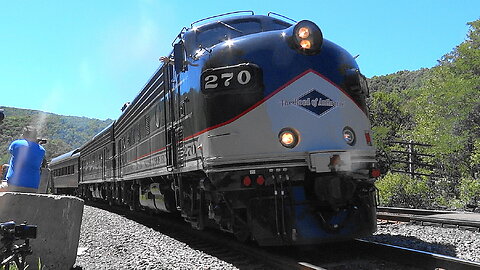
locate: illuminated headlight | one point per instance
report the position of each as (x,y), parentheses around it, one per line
(306,37)
(349,136)
(303,32)
(288,137)
(305,44)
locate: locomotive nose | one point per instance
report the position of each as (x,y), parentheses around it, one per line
(305,37)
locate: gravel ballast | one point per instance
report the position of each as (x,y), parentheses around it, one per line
(111,241)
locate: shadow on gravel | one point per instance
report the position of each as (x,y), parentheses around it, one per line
(348,255)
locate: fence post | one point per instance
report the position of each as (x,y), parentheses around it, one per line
(411,154)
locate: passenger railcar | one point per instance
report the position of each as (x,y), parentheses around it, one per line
(64,173)
(256,126)
(97,167)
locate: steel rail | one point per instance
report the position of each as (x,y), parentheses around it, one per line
(413,211)
(418,258)
(426,217)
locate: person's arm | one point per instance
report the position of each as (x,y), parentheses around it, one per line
(166,60)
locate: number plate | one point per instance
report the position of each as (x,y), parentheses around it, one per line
(230,77)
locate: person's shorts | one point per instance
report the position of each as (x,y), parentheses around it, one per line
(9,188)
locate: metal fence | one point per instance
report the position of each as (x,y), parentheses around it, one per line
(412,155)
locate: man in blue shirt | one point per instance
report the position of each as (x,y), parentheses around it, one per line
(27,155)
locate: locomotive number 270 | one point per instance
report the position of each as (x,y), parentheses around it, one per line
(243,78)
(232,77)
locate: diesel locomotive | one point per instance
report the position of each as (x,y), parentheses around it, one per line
(253,125)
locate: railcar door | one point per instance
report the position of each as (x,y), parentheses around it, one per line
(169,100)
(173,127)
(119,158)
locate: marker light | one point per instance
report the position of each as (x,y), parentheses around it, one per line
(368,138)
(260,180)
(375,173)
(247,181)
(349,136)
(288,137)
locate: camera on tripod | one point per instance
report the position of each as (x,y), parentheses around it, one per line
(23,231)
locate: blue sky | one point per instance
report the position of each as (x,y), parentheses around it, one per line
(87,58)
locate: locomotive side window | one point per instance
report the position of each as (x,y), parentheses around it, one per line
(221,31)
(279,25)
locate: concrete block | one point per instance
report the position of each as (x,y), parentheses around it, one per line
(58,219)
(44,181)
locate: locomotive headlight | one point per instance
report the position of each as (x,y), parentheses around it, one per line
(305,37)
(303,32)
(349,136)
(288,137)
(305,44)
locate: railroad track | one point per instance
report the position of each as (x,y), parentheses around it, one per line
(429,217)
(405,214)
(358,254)
(417,258)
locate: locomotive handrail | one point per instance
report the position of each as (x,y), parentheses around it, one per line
(179,35)
(220,15)
(282,16)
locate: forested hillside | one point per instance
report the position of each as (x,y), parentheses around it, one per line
(63,133)
(438,106)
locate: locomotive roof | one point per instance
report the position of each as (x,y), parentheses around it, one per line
(267,23)
(100,138)
(262,18)
(212,32)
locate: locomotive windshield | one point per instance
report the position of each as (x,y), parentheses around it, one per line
(219,31)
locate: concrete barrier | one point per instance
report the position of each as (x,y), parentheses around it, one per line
(58,219)
(44,181)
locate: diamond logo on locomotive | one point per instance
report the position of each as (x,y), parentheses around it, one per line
(314,102)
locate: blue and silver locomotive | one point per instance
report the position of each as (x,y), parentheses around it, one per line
(253,125)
